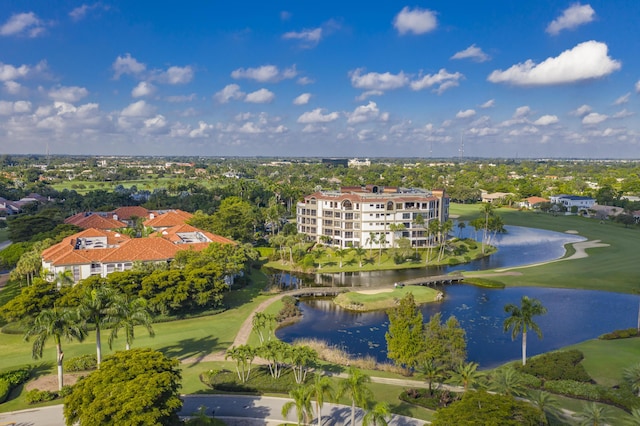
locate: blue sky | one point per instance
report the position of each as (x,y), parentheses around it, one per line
(349,78)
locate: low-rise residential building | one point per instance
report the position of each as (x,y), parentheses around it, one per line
(101,252)
(569,201)
(361,216)
(532,202)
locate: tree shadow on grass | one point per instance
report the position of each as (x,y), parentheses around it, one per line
(193,350)
(41,369)
(404,409)
(239,296)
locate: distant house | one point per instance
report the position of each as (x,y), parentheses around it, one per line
(532,202)
(636,216)
(88,220)
(569,201)
(167,220)
(494,197)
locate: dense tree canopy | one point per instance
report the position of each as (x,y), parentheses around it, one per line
(482,408)
(135,387)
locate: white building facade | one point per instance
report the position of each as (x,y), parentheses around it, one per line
(360,216)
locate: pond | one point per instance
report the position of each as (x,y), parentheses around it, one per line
(518,246)
(573,315)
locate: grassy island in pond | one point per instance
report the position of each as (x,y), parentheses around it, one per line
(384,298)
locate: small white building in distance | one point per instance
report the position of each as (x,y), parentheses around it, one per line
(360,216)
(355,163)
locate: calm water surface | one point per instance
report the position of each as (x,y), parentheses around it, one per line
(573,315)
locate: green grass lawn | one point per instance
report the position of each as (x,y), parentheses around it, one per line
(605,360)
(386,300)
(4,234)
(612,268)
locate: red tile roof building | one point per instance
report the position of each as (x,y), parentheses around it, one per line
(101,252)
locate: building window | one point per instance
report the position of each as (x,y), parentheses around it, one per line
(406,215)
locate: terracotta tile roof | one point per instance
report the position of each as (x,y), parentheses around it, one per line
(142,249)
(171,234)
(64,253)
(128,212)
(98,222)
(536,200)
(169,219)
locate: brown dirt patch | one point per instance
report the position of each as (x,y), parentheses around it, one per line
(50,382)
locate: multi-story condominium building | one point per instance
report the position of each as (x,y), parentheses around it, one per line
(360,216)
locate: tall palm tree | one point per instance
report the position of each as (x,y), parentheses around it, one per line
(341,253)
(461,226)
(243,355)
(57,324)
(371,240)
(521,319)
(359,253)
(633,419)
(302,402)
(432,228)
(125,313)
(632,376)
(593,414)
(487,209)
(382,241)
(466,375)
(320,388)
(355,387)
(445,228)
(94,308)
(378,415)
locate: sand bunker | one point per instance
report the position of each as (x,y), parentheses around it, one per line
(582,246)
(571,231)
(375,291)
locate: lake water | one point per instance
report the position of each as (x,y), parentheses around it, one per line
(573,315)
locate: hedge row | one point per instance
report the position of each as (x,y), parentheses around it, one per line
(561,365)
(620,334)
(260,380)
(421,397)
(12,378)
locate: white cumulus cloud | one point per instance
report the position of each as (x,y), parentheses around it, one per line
(318,116)
(622,99)
(68,94)
(442,81)
(581,110)
(176,75)
(489,104)
(23,24)
(466,113)
(522,112)
(472,52)
(594,118)
(585,61)
(309,37)
(415,21)
(261,96)
(81,12)
(638,86)
(12,87)
(303,99)
(377,81)
(127,65)
(545,120)
(230,92)
(143,89)
(10,108)
(576,15)
(264,74)
(364,113)
(138,109)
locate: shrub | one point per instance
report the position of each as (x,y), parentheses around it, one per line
(260,380)
(483,282)
(81,363)
(620,334)
(16,377)
(289,309)
(66,390)
(5,389)
(36,396)
(421,397)
(453,261)
(574,389)
(561,365)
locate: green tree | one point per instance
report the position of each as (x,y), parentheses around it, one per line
(371,240)
(631,375)
(301,358)
(320,388)
(125,313)
(94,308)
(467,376)
(507,381)
(263,325)
(593,414)
(633,419)
(446,344)
(379,415)
(359,253)
(405,339)
(355,388)
(302,402)
(482,408)
(274,352)
(56,324)
(234,219)
(545,402)
(138,387)
(243,355)
(521,320)
(431,372)
(31,301)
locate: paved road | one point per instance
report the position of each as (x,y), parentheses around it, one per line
(234,409)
